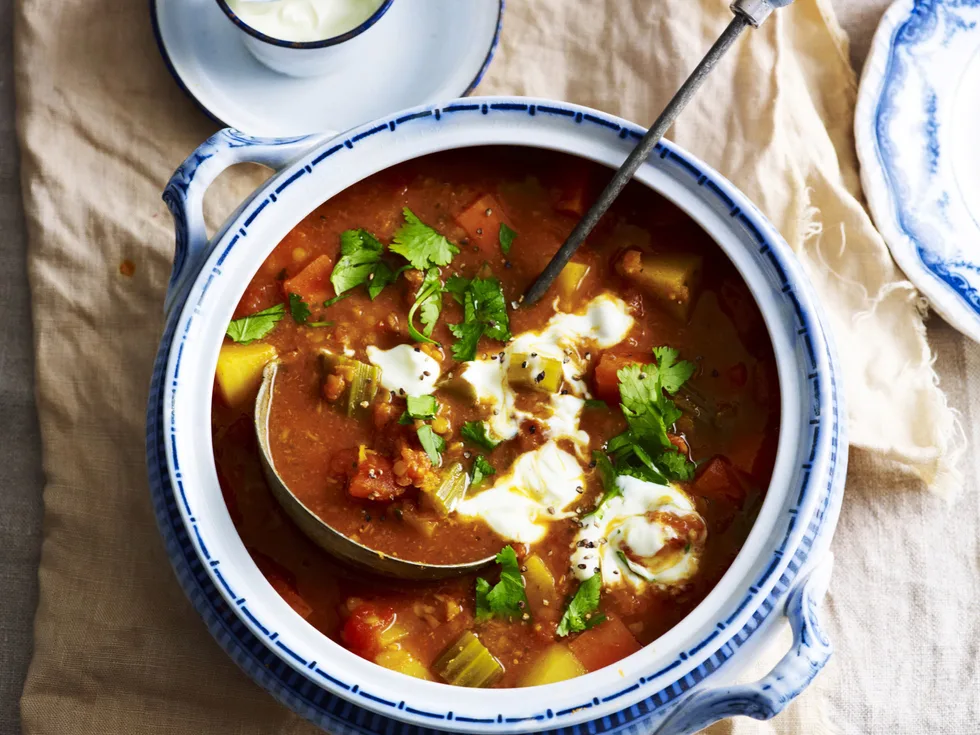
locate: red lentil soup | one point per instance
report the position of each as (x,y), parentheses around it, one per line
(611,444)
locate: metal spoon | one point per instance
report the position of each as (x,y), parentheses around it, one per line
(323,534)
(747,13)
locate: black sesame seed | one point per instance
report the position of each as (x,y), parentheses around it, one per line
(532,428)
(524,364)
(581,566)
(508,264)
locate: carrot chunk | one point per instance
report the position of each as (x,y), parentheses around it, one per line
(482,221)
(605,381)
(605,644)
(312,284)
(717,480)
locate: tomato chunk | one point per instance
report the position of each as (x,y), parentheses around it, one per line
(718,479)
(605,644)
(482,221)
(312,284)
(363,629)
(605,382)
(374,479)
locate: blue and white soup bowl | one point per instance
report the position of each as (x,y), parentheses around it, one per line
(679,683)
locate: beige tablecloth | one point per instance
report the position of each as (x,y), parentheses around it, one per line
(118,648)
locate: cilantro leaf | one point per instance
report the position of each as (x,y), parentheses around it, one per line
(582,611)
(298,308)
(429,301)
(607,474)
(507,598)
(506,237)
(457,285)
(467,338)
(360,252)
(360,263)
(484,312)
(481,470)
(255,326)
(595,403)
(675,465)
(422,407)
(673,374)
(382,276)
(483,611)
(478,433)
(433,444)
(421,245)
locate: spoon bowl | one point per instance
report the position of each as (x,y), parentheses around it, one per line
(323,534)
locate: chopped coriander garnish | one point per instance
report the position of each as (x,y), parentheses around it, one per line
(607,473)
(420,244)
(645,450)
(360,262)
(595,403)
(481,470)
(422,407)
(433,444)
(507,598)
(429,303)
(330,302)
(506,237)
(582,611)
(255,326)
(457,285)
(478,433)
(319,324)
(484,312)
(298,308)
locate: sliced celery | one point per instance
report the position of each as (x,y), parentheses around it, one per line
(360,380)
(448,488)
(468,663)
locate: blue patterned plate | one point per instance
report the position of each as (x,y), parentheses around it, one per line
(919,145)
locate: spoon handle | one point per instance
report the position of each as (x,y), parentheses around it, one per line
(635,158)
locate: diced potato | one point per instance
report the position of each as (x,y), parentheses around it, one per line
(604,644)
(392,634)
(538,373)
(539,585)
(556,663)
(569,281)
(447,488)
(673,279)
(400,660)
(468,663)
(239,370)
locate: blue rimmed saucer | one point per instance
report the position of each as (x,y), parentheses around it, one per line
(424,51)
(919,146)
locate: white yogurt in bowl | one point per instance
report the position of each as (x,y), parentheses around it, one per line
(304,20)
(304,38)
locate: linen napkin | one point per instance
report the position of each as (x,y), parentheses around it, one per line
(118,649)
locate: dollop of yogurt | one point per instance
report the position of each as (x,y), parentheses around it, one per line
(605,322)
(537,491)
(304,20)
(651,534)
(405,369)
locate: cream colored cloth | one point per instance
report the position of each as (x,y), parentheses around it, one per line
(119,650)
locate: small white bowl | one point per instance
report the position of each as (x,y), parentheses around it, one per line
(305,58)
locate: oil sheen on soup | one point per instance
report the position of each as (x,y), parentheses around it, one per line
(611,445)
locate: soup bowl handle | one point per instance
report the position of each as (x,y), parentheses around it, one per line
(184,194)
(768,696)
